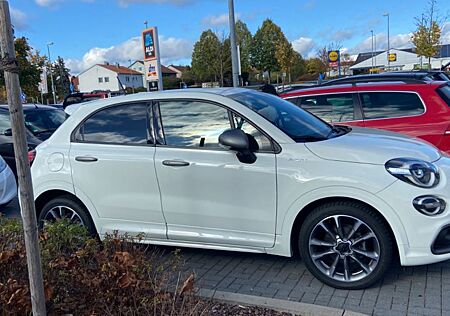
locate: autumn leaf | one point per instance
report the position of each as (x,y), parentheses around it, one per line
(188,284)
(6,255)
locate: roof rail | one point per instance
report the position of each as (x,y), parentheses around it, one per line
(421,78)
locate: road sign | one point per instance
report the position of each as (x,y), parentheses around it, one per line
(392,57)
(43,87)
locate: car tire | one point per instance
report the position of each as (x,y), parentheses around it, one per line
(69,208)
(353,256)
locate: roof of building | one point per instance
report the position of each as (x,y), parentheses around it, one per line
(180,68)
(166,70)
(120,69)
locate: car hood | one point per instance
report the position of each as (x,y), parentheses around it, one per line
(363,145)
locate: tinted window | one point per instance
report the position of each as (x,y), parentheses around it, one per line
(444,92)
(193,124)
(390,104)
(298,124)
(259,140)
(4,121)
(331,107)
(122,124)
(39,121)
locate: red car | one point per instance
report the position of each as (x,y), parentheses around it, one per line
(415,108)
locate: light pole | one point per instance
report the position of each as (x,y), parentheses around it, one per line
(234,55)
(51,72)
(146,24)
(371,31)
(389,45)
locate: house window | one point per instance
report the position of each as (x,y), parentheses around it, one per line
(106,79)
(127,79)
(100,80)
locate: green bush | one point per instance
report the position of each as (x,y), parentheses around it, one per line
(83,276)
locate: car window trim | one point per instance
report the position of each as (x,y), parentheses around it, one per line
(394,117)
(149,126)
(276,147)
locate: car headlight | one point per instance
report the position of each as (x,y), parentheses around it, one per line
(2,164)
(416,172)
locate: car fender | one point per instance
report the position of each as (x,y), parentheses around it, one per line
(286,220)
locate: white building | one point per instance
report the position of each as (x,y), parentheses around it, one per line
(110,78)
(139,66)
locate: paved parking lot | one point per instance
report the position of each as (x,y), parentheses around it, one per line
(423,290)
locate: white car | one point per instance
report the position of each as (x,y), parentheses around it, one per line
(239,170)
(8,186)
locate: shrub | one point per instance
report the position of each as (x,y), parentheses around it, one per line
(83,276)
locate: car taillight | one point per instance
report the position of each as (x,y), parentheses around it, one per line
(31,156)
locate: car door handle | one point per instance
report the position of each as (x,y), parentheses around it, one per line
(175,163)
(86,159)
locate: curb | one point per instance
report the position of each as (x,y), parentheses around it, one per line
(276,304)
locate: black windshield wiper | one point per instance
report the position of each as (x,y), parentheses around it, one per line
(309,138)
(339,130)
(51,130)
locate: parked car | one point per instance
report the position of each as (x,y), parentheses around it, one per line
(418,109)
(236,169)
(40,120)
(8,186)
(80,97)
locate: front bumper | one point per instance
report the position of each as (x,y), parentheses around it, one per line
(8,186)
(427,237)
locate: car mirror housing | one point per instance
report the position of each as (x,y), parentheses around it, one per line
(237,140)
(8,132)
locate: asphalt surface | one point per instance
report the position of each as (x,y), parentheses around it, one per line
(422,290)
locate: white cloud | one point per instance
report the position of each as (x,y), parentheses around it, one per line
(219,20)
(380,40)
(125,3)
(18,19)
(172,50)
(305,46)
(445,35)
(47,3)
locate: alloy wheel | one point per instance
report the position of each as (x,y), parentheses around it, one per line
(57,213)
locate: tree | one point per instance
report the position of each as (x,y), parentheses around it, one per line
(285,55)
(205,64)
(316,66)
(30,65)
(298,68)
(427,37)
(322,53)
(61,75)
(244,40)
(264,46)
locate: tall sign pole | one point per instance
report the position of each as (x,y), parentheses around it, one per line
(28,211)
(234,54)
(152,59)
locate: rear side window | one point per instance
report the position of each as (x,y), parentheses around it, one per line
(331,108)
(377,105)
(444,93)
(122,124)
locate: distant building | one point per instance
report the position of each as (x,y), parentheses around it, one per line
(179,70)
(406,59)
(109,78)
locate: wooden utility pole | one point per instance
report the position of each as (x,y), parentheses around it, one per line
(9,64)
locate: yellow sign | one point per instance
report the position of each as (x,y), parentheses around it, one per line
(392,57)
(333,56)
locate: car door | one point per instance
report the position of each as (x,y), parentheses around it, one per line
(334,108)
(401,112)
(208,195)
(111,156)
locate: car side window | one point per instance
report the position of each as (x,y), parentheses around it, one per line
(120,124)
(4,121)
(193,124)
(331,108)
(258,141)
(294,101)
(378,105)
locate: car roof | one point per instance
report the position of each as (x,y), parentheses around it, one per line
(179,93)
(32,106)
(373,86)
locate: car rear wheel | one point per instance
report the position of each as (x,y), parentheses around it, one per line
(345,245)
(66,208)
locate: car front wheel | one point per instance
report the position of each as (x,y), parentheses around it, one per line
(345,245)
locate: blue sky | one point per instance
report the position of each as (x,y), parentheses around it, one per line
(86,32)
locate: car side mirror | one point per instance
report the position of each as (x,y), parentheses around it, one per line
(8,132)
(237,140)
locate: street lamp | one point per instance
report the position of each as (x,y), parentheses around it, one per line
(389,46)
(51,71)
(233,46)
(371,31)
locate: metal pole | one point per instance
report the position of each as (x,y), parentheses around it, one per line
(28,210)
(158,61)
(375,49)
(234,60)
(372,48)
(51,72)
(388,40)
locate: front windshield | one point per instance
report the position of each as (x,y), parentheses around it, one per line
(40,121)
(298,124)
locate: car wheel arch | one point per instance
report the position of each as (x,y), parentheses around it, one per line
(46,196)
(305,211)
